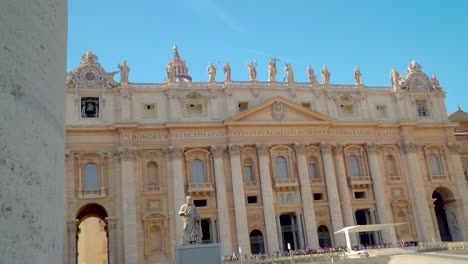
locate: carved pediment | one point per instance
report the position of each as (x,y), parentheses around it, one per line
(279,109)
(417,80)
(153,216)
(90,74)
(400,203)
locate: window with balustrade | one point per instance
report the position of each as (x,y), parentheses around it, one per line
(354,167)
(152,177)
(283,160)
(91,180)
(313,164)
(249,172)
(197,171)
(281,167)
(436,163)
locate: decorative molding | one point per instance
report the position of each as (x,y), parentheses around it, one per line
(127,152)
(409,147)
(300,148)
(454,148)
(262,149)
(90,73)
(218,151)
(338,148)
(326,147)
(372,148)
(234,149)
(175,152)
(277,110)
(126,92)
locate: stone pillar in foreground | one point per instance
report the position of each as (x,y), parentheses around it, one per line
(33,54)
(178,191)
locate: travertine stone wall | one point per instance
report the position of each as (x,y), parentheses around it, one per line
(32,97)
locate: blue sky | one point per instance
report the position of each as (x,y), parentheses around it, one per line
(374,35)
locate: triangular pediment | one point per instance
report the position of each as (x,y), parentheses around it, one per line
(279,109)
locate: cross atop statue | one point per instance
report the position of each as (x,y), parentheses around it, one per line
(274,59)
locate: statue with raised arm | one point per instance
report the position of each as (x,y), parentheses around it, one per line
(211,72)
(192,223)
(124,72)
(252,71)
(325,75)
(272,70)
(227,71)
(357,76)
(311,75)
(289,73)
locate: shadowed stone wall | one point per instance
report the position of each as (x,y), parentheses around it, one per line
(33,37)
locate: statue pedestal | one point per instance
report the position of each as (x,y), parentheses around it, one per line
(201,253)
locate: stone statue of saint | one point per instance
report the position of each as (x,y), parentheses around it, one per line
(252,71)
(413,68)
(272,70)
(124,72)
(435,83)
(227,71)
(357,76)
(211,72)
(325,75)
(395,77)
(289,73)
(192,223)
(311,75)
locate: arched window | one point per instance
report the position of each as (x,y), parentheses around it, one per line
(281,167)
(354,169)
(155,239)
(391,166)
(313,171)
(198,171)
(249,175)
(92,180)
(324,237)
(256,242)
(436,170)
(152,175)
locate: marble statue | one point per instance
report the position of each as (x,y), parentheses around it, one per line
(211,72)
(413,68)
(124,72)
(435,83)
(289,73)
(252,71)
(395,77)
(357,76)
(311,75)
(325,75)
(192,223)
(272,70)
(170,73)
(227,71)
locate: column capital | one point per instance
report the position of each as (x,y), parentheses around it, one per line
(262,149)
(409,147)
(234,149)
(217,151)
(372,148)
(174,152)
(126,152)
(300,148)
(454,148)
(126,93)
(338,148)
(326,147)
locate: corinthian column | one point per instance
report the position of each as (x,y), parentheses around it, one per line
(239,199)
(344,191)
(129,223)
(178,192)
(332,191)
(382,202)
(267,196)
(223,212)
(461,185)
(418,194)
(306,195)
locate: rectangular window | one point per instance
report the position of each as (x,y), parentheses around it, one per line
(200,203)
(347,109)
(313,171)
(381,111)
(360,195)
(252,199)
(194,109)
(149,110)
(248,173)
(421,106)
(243,106)
(318,196)
(90,107)
(306,105)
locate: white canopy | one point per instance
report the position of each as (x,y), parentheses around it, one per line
(364,228)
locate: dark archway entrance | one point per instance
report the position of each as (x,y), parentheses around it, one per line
(324,237)
(445,212)
(256,242)
(363,217)
(92,236)
(289,231)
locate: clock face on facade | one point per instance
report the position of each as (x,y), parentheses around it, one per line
(89,75)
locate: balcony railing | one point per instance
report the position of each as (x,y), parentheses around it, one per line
(316,180)
(395,178)
(153,188)
(200,188)
(250,183)
(359,181)
(92,193)
(286,183)
(440,178)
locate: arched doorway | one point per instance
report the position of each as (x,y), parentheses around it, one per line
(446,215)
(256,242)
(324,237)
(92,236)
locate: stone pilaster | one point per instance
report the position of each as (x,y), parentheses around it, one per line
(347,210)
(178,191)
(332,190)
(306,195)
(417,191)
(300,230)
(72,228)
(267,197)
(126,104)
(383,206)
(112,239)
(223,210)
(243,239)
(129,223)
